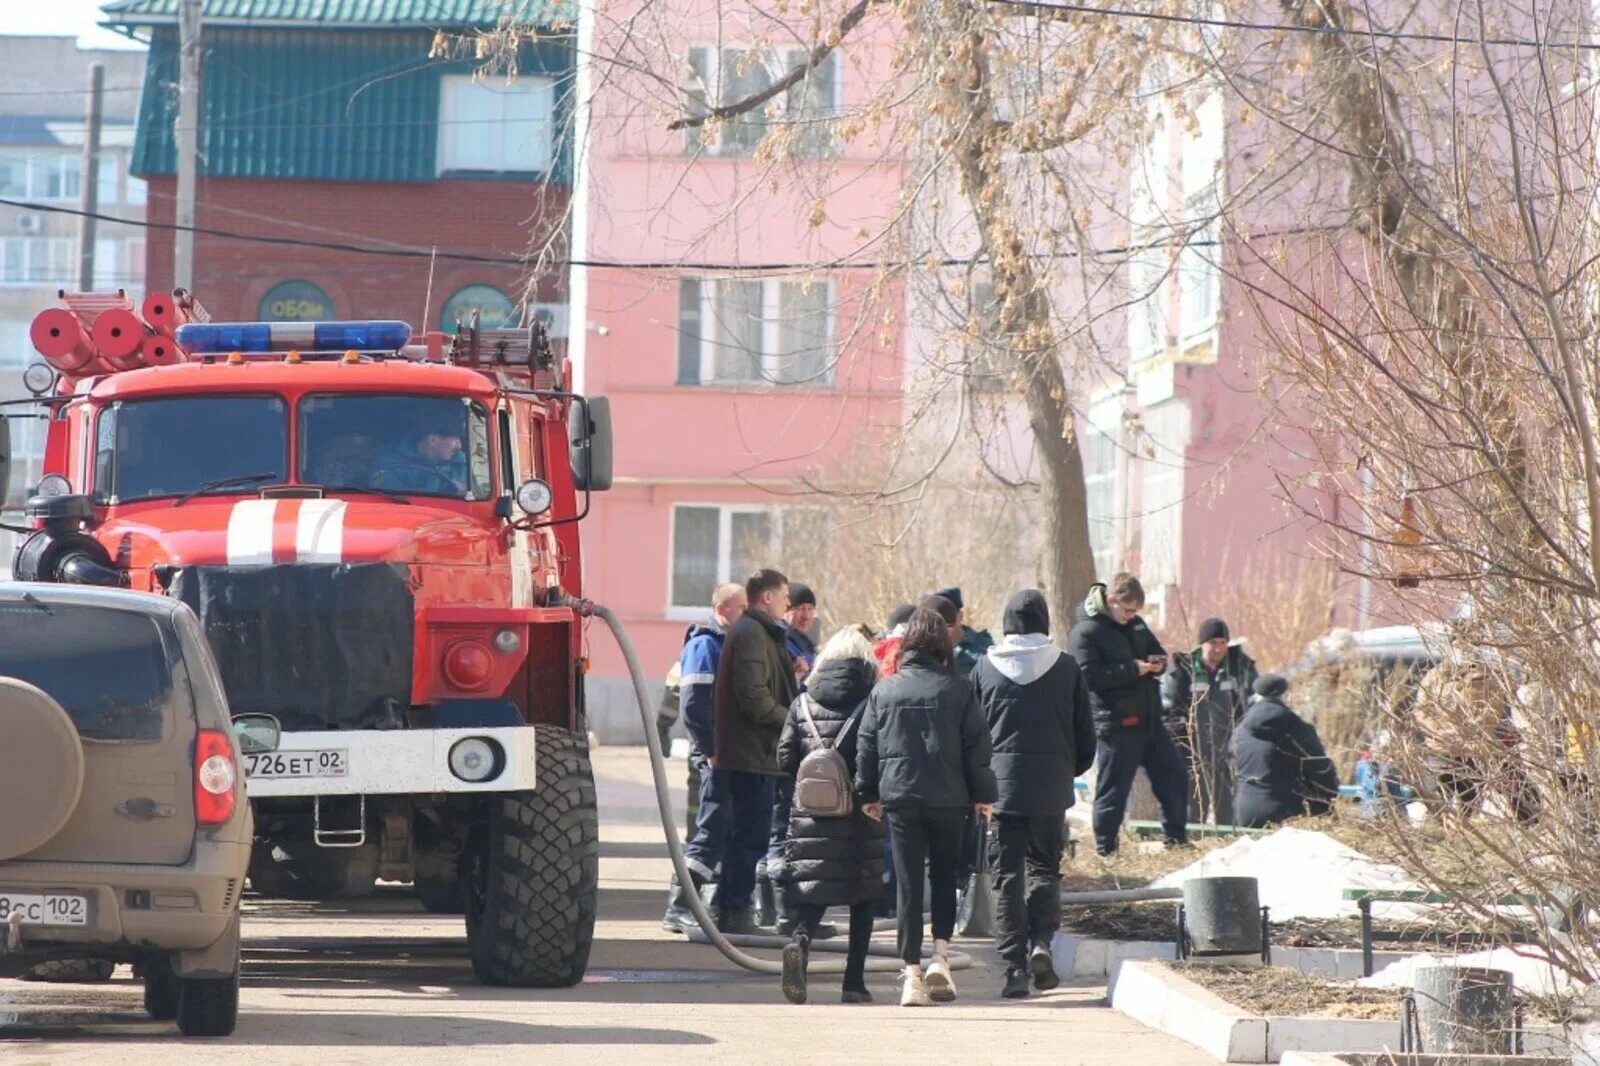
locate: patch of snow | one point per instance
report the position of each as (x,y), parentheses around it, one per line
(1531,970)
(1301,873)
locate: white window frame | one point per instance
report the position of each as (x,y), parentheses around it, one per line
(1148,278)
(449,103)
(778,61)
(693,612)
(771,335)
(1104,426)
(36,251)
(1199,272)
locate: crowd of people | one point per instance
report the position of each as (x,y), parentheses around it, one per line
(828,778)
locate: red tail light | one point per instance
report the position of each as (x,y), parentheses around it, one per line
(468,665)
(215,777)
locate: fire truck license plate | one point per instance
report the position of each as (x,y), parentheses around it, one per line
(276,764)
(45,910)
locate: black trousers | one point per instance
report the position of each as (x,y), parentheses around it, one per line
(862,916)
(1026,853)
(925,837)
(1117,759)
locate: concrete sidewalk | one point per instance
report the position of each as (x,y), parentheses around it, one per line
(353,982)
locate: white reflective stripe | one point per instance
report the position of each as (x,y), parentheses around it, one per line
(250,533)
(319,533)
(685,680)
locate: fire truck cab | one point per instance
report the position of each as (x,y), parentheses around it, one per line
(379,535)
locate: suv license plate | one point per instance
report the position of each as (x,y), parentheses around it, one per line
(45,910)
(332,762)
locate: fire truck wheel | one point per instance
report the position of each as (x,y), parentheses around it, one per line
(534,874)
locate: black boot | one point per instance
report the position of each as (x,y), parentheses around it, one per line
(679,918)
(740,922)
(796,955)
(1016,983)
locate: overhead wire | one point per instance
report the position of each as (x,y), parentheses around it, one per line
(1290,27)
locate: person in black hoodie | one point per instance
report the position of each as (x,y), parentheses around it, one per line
(831,862)
(1043,736)
(923,755)
(1122,662)
(1283,770)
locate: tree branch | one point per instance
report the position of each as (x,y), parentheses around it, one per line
(819,53)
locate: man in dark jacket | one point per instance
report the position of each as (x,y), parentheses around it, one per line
(1122,662)
(754,687)
(1207,690)
(1284,771)
(970,644)
(697,674)
(1043,737)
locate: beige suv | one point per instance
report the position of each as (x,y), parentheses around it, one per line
(127,833)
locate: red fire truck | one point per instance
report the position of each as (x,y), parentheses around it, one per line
(378,532)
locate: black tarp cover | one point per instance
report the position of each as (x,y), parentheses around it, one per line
(321,646)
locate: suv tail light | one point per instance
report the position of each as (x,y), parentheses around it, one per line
(215,777)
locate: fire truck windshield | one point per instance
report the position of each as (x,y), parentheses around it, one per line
(174,446)
(414,445)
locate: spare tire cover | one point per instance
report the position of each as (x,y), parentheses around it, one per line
(41,768)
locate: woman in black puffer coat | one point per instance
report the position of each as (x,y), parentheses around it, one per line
(832,862)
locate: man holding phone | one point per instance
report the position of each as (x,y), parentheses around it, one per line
(1122,663)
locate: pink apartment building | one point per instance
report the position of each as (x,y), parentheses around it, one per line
(729,382)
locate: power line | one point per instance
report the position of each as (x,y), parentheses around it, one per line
(70,92)
(674,265)
(1284,27)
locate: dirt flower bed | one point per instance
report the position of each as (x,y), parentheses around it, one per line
(1130,867)
(1280,993)
(1444,932)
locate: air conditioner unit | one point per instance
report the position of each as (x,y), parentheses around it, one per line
(29,222)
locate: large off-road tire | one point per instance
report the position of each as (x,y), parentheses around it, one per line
(534,874)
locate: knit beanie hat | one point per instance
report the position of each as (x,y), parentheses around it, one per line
(1026,612)
(801,595)
(953,594)
(1213,629)
(1271,686)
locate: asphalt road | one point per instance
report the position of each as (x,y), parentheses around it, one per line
(351,982)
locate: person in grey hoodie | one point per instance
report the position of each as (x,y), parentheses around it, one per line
(1042,732)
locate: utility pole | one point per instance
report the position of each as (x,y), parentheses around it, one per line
(188,141)
(89,183)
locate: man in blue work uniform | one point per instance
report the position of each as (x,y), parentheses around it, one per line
(697,673)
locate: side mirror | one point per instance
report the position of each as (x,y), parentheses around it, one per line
(258,733)
(590,446)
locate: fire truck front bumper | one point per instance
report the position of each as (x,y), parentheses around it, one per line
(395,762)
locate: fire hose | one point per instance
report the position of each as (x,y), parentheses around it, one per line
(881,957)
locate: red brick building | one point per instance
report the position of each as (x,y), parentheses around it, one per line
(374,165)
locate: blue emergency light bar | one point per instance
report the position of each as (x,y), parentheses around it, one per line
(203,338)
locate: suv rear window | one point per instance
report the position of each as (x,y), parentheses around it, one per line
(107,668)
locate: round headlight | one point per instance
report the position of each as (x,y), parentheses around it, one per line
(534,496)
(474,759)
(508,641)
(39,378)
(53,485)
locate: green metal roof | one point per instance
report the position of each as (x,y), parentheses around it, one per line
(423,14)
(325,105)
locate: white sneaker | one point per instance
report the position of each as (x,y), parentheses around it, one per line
(914,993)
(941,986)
